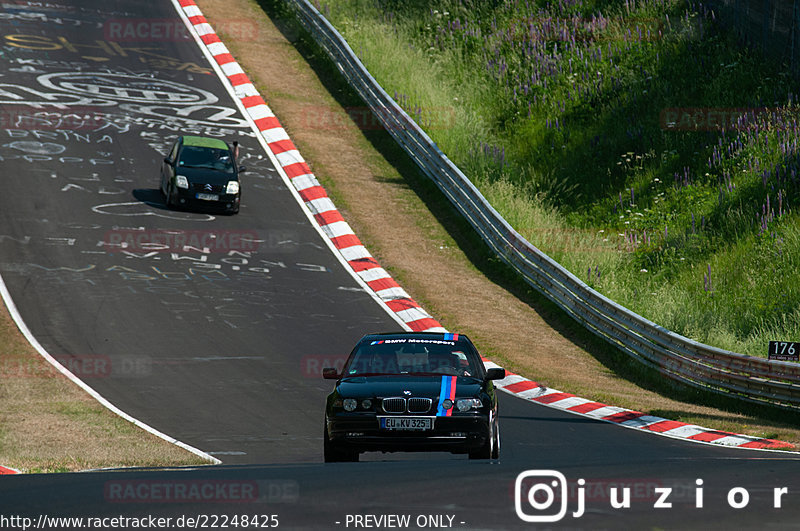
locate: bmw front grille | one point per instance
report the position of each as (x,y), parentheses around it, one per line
(394,405)
(419,405)
(401,405)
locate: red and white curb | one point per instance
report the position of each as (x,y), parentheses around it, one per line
(5,471)
(314,196)
(529,390)
(343,238)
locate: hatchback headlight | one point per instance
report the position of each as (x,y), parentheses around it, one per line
(232,188)
(181,181)
(466,404)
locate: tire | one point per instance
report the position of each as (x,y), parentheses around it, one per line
(168,196)
(496,445)
(491,448)
(171,203)
(337,455)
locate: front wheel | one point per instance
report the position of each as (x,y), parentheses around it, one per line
(337,455)
(491,448)
(496,445)
(168,196)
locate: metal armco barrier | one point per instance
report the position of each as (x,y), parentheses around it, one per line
(676,357)
(771,25)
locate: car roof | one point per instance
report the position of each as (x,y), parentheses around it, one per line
(202,141)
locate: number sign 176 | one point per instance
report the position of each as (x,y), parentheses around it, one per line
(784,350)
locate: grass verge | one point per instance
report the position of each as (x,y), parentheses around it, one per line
(638,144)
(48,424)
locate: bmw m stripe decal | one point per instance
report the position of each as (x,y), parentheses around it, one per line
(448,391)
(451,337)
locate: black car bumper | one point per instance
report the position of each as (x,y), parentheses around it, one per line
(362,432)
(193,199)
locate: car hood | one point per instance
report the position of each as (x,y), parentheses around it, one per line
(418,386)
(206,175)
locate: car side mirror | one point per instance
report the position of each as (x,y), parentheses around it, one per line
(166,159)
(242,169)
(495,373)
(329,373)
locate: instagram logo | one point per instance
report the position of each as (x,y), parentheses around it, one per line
(543,495)
(540,496)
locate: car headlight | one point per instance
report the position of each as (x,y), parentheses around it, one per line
(181,181)
(466,404)
(366,403)
(232,188)
(349,404)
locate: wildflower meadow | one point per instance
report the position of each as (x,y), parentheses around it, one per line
(639,143)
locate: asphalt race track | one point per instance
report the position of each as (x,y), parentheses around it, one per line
(214,337)
(477,495)
(213,328)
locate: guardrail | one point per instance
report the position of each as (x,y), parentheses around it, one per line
(676,357)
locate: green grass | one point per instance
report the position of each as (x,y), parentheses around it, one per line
(566,139)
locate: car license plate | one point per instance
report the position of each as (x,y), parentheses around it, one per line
(208,197)
(406,423)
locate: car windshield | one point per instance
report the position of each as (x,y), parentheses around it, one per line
(411,356)
(204,157)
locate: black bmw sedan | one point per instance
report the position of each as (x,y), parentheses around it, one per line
(412,391)
(202,172)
